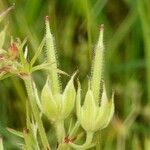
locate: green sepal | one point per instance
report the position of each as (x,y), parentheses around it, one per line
(49,105)
(68,98)
(2,37)
(105,114)
(89,111)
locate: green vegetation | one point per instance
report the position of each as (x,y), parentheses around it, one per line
(75,26)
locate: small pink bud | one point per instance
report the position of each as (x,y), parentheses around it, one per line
(13,47)
(13,50)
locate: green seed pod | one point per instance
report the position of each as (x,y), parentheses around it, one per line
(51,58)
(97,66)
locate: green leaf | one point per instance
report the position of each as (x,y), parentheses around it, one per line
(43,66)
(37,96)
(2,15)
(20,50)
(2,36)
(4,75)
(38,52)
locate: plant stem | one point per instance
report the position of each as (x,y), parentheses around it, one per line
(74,130)
(27,139)
(1,143)
(121,142)
(60,130)
(89,137)
(98,141)
(30,91)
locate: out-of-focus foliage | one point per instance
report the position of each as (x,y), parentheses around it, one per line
(75,25)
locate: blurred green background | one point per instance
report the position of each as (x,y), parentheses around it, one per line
(75,25)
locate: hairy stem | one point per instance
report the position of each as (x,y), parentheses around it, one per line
(30,91)
(87,144)
(60,130)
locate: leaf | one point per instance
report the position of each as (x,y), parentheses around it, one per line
(38,52)
(2,36)
(21,53)
(2,15)
(43,66)
(26,52)
(37,96)
(17,133)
